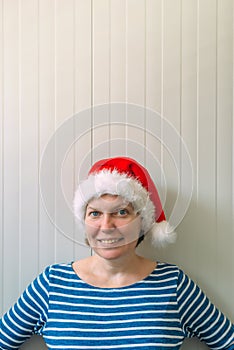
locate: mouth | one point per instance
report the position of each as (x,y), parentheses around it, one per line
(110,241)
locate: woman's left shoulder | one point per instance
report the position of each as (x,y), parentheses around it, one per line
(167,267)
(169,270)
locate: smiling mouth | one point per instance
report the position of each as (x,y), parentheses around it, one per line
(110,241)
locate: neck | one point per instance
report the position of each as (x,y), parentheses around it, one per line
(112,273)
(111,267)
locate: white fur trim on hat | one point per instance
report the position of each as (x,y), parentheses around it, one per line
(162,234)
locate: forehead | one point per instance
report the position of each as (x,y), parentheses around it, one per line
(108,201)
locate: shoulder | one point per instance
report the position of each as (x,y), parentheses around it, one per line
(53,271)
(164,268)
(58,269)
(170,271)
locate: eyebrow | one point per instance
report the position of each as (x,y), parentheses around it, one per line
(92,208)
(114,209)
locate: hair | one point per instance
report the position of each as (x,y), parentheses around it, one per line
(140,239)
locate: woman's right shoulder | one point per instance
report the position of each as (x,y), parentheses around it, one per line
(56,269)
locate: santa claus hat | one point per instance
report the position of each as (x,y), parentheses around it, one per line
(127,178)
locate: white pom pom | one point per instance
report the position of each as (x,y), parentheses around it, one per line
(162,234)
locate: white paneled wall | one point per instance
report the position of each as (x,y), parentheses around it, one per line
(63,62)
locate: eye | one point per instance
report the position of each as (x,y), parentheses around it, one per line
(94,213)
(122,212)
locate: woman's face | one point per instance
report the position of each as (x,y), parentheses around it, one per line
(112,226)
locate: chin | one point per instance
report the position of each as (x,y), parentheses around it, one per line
(111,253)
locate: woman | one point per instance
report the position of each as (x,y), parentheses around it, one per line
(116,299)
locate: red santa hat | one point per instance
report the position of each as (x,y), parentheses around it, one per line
(127,178)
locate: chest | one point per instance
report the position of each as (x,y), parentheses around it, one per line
(118,319)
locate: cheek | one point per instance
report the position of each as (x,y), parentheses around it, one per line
(90,228)
(132,228)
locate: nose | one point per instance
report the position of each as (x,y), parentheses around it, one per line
(107,223)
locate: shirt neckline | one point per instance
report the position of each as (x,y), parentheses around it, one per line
(133,285)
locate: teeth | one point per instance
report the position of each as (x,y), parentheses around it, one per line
(109,241)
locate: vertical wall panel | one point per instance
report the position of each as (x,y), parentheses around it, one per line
(11,173)
(171,55)
(46,76)
(83,101)
(118,71)
(135,79)
(64,109)
(207,137)
(171,98)
(224,255)
(83,54)
(135,17)
(118,50)
(153,52)
(101,78)
(153,94)
(101,51)
(28,133)
(189,56)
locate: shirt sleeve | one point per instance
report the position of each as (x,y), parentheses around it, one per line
(200,318)
(27,316)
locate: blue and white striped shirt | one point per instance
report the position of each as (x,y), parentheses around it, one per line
(157,312)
